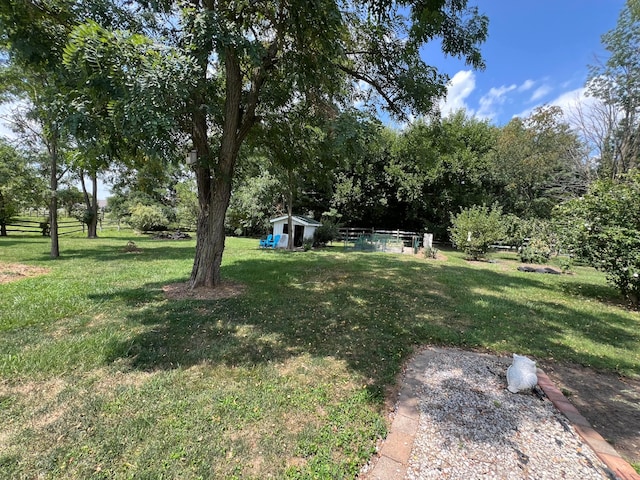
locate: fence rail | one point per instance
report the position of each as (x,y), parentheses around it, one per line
(353,234)
(65,227)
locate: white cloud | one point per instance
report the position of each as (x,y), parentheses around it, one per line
(460,87)
(540,92)
(571,99)
(527,85)
(490,102)
(567,101)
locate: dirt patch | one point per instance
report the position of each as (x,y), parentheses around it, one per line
(439,255)
(182,291)
(11,272)
(609,402)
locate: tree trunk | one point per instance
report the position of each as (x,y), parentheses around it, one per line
(3,222)
(211,237)
(214,176)
(53,202)
(92,206)
(290,228)
(92,227)
(214,182)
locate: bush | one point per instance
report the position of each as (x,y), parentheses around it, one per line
(474,229)
(81,213)
(537,250)
(326,233)
(603,228)
(147,218)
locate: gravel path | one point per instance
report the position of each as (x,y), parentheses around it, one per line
(472,427)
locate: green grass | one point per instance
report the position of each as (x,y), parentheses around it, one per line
(102,377)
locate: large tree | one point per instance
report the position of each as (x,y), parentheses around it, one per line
(247,59)
(259,56)
(441,166)
(538,160)
(615,82)
(361,147)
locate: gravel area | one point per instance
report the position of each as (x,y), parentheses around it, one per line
(472,427)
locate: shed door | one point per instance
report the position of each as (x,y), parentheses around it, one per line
(298,235)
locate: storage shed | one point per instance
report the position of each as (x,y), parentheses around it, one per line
(303,228)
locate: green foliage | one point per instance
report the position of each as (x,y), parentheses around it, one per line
(68,198)
(147,218)
(361,149)
(536,161)
(325,233)
(252,204)
(603,228)
(537,250)
(20,185)
(441,166)
(307,244)
(81,213)
(616,83)
(187,207)
(474,229)
(566,263)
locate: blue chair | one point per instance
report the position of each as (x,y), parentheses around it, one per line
(264,243)
(275,242)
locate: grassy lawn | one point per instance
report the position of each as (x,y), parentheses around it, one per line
(102,377)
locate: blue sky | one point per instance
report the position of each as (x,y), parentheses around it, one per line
(537,53)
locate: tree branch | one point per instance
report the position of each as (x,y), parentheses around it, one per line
(365,78)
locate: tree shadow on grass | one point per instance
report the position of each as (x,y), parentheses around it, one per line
(368,311)
(12,240)
(108,253)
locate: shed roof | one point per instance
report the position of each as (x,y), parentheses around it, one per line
(306,221)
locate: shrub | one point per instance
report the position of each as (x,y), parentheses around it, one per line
(537,250)
(474,229)
(146,218)
(326,233)
(566,263)
(603,228)
(307,244)
(81,213)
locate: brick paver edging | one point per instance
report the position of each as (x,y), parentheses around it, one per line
(605,452)
(394,455)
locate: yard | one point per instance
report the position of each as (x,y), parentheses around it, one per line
(103,376)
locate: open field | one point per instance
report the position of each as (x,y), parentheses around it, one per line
(103,376)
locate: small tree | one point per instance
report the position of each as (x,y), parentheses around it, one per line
(20,185)
(147,218)
(186,205)
(69,198)
(325,233)
(474,229)
(603,228)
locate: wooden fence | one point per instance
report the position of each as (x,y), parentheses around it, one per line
(65,227)
(353,234)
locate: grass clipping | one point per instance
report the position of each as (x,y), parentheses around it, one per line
(11,272)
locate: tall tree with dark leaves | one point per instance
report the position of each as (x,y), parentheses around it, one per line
(245,60)
(256,56)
